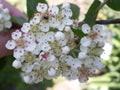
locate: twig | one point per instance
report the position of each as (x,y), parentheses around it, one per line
(102,4)
(111,21)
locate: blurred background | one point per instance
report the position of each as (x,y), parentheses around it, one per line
(108,79)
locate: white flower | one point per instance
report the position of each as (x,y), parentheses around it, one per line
(85,41)
(53,10)
(65,50)
(41,7)
(51,58)
(67,12)
(26,79)
(4,18)
(16,35)
(44,27)
(16,64)
(67,29)
(25,28)
(65,5)
(59,36)
(30,46)
(11,44)
(18,52)
(86,28)
(82,55)
(36,19)
(28,37)
(51,72)
(8,24)
(50,36)
(96,34)
(45,47)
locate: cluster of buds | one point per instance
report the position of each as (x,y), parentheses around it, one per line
(4,18)
(45,48)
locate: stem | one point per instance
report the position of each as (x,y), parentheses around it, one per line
(102,4)
(111,21)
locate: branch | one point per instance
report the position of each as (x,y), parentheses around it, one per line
(111,21)
(102,4)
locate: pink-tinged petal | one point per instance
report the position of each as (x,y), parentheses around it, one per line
(41,7)
(67,21)
(36,19)
(30,46)
(29,36)
(18,52)
(16,35)
(26,27)
(10,44)
(86,28)
(53,10)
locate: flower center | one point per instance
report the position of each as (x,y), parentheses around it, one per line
(29,57)
(44,56)
(93,35)
(20,42)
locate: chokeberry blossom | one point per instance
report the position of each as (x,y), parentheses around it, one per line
(4,18)
(45,47)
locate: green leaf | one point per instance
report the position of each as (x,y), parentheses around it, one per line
(76,11)
(114,4)
(18,20)
(78,32)
(92,13)
(2,63)
(31,7)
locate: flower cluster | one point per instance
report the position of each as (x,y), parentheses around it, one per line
(4,18)
(46,47)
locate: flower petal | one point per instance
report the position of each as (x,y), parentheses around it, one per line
(44,27)
(18,52)
(85,41)
(85,28)
(98,28)
(67,21)
(53,10)
(10,44)
(41,7)
(30,46)
(67,12)
(16,64)
(26,27)
(16,35)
